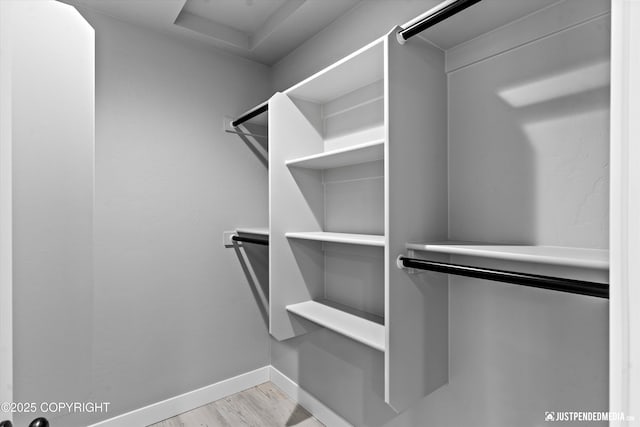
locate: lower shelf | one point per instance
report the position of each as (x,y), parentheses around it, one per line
(355,327)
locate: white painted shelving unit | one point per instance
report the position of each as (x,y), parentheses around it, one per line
(342,149)
(430,142)
(310,146)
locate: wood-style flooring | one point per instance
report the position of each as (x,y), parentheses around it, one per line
(262,406)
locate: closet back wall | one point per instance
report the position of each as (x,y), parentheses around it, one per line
(172,309)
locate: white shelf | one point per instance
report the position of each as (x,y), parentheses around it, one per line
(353,239)
(355,327)
(262,231)
(361,68)
(361,153)
(556,255)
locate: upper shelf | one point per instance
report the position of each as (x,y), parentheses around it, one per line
(556,255)
(353,239)
(363,67)
(361,153)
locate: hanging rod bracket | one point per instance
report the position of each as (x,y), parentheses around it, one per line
(401,39)
(401,266)
(229,239)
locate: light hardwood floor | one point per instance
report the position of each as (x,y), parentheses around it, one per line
(262,406)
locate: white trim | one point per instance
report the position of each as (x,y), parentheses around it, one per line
(624,318)
(318,409)
(185,402)
(173,406)
(6,209)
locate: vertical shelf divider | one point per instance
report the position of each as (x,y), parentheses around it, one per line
(416,310)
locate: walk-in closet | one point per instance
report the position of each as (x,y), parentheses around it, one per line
(373,213)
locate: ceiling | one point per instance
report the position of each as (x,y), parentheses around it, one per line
(261,30)
(267,30)
(244,15)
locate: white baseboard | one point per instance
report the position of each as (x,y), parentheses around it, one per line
(318,409)
(185,402)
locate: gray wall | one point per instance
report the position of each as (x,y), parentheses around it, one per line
(173,310)
(169,309)
(514,352)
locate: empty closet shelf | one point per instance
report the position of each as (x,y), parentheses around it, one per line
(556,255)
(355,327)
(361,68)
(353,239)
(356,154)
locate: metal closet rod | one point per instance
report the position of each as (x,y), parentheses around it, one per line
(435,15)
(594,289)
(262,108)
(264,242)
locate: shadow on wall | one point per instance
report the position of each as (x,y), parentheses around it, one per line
(254,260)
(309,258)
(255,136)
(311,187)
(543,163)
(491,164)
(567,126)
(347,375)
